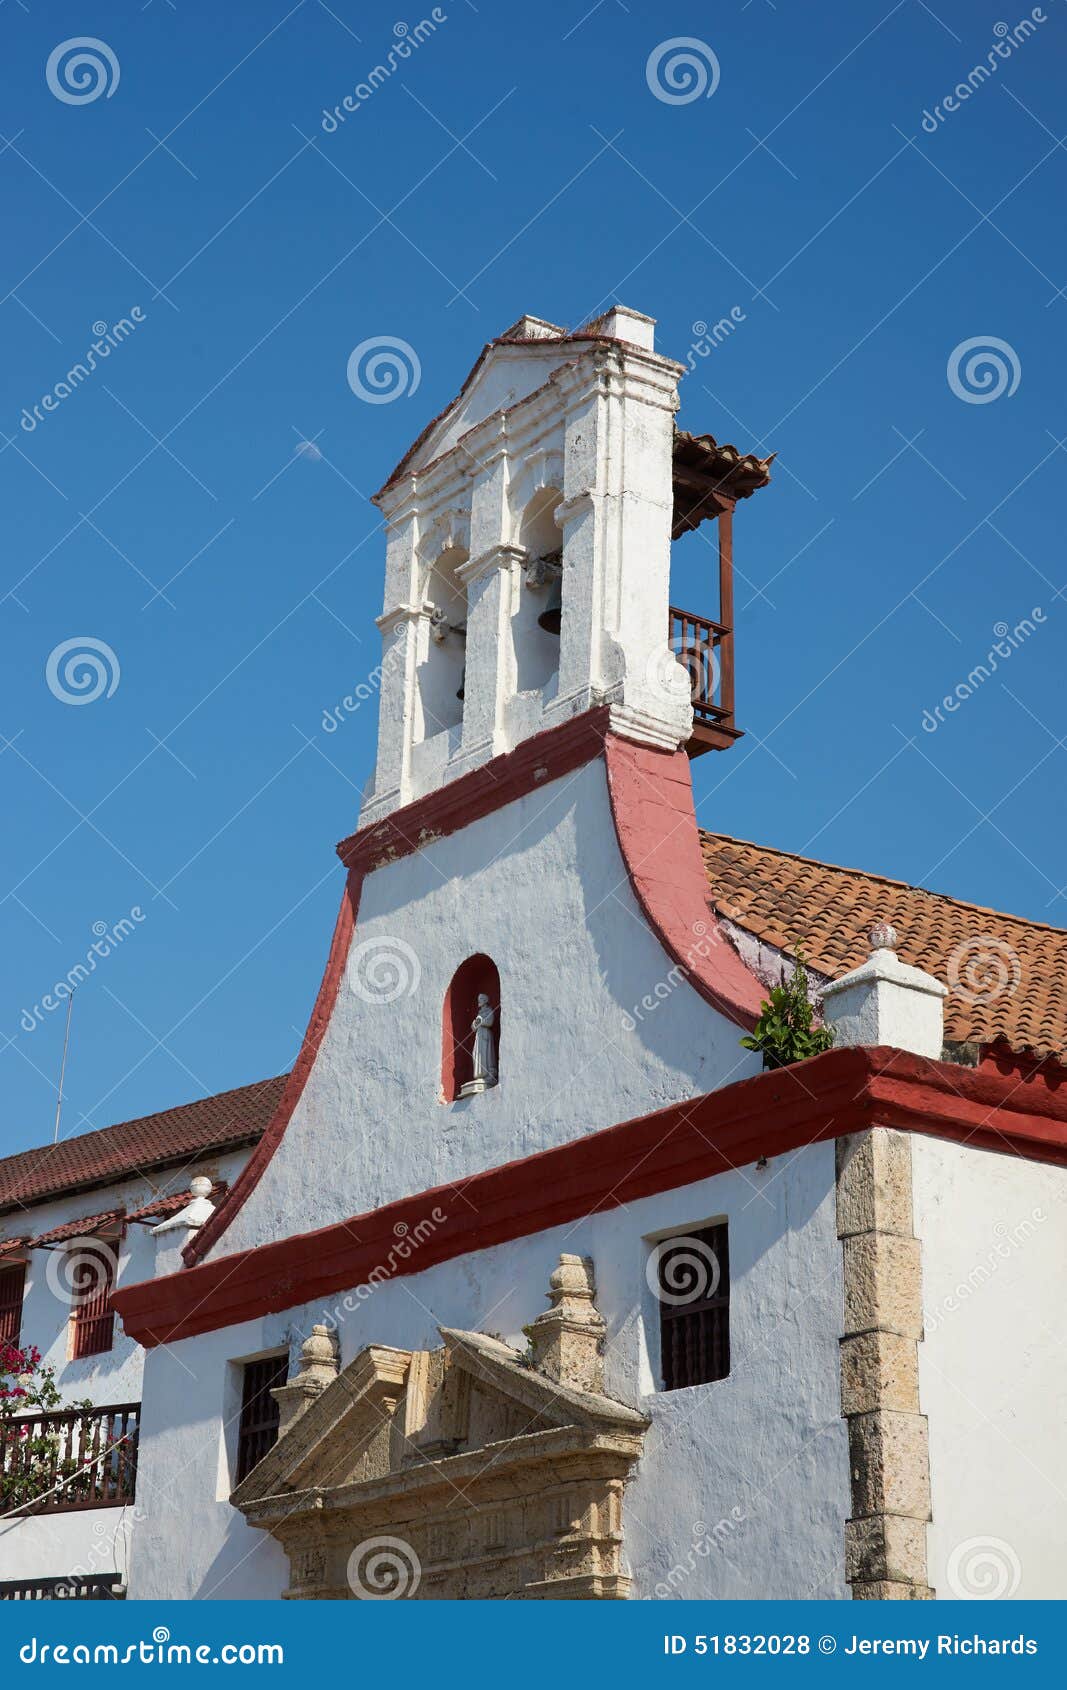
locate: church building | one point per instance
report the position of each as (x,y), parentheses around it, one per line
(538,1282)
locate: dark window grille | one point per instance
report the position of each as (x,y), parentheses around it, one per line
(694,1296)
(93,1276)
(12,1288)
(258,1429)
(81,1587)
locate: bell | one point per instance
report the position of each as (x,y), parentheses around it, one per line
(552,614)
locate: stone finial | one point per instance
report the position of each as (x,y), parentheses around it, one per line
(318,1368)
(887,1002)
(568,1339)
(198,1209)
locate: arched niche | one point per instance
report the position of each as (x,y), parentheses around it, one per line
(475,977)
(537,648)
(440,674)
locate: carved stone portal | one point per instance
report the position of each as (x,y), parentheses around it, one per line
(456,1473)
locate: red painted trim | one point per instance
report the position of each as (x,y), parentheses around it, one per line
(842,1092)
(250,1175)
(652,805)
(546,757)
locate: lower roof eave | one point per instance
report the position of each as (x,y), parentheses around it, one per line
(841,1092)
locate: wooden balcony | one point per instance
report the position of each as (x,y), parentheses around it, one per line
(706,650)
(74,1458)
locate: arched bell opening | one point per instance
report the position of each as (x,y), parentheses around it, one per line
(441,672)
(539,612)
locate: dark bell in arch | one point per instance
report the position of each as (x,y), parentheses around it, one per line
(552,614)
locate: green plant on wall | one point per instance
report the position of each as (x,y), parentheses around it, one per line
(786,1030)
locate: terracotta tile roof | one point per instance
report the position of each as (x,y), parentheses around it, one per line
(1007,976)
(222,1122)
(10,1246)
(86,1226)
(703,468)
(170,1205)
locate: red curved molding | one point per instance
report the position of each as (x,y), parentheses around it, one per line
(250,1175)
(843,1091)
(544,757)
(652,806)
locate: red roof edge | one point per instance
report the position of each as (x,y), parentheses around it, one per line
(841,1092)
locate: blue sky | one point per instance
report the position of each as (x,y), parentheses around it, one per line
(517,161)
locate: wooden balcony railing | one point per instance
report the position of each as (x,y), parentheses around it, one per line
(706,650)
(73,1458)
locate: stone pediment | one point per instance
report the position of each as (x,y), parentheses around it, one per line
(508,370)
(465,1471)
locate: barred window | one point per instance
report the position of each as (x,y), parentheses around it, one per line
(258,1428)
(692,1280)
(92,1280)
(12,1287)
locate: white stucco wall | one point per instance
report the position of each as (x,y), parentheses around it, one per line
(92,1540)
(764,1452)
(993,1369)
(541,887)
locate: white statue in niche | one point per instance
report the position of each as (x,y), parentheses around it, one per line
(483,1059)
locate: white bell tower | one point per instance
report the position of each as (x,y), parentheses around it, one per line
(528,557)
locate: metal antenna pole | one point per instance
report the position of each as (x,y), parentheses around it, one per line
(63,1065)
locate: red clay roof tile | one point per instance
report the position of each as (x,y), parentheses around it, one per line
(1007,976)
(222,1122)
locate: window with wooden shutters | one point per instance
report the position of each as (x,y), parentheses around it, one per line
(692,1281)
(12,1288)
(258,1429)
(92,1280)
